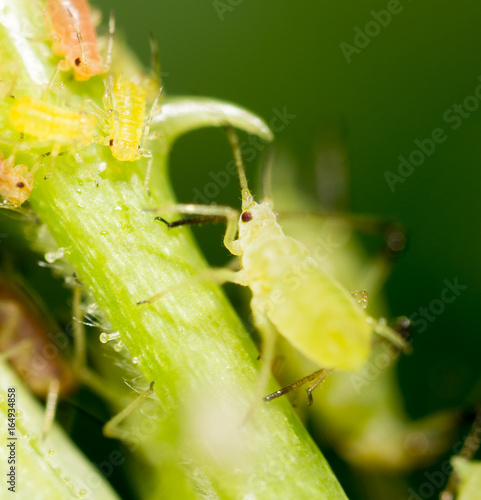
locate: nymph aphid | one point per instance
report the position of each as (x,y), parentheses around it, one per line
(75,38)
(316,315)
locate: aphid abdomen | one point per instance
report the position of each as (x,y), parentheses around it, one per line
(127,121)
(70,17)
(308,307)
(51,123)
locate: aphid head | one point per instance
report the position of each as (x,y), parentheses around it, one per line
(15,186)
(256,221)
(125,150)
(86,67)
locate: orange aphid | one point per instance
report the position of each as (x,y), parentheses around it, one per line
(75,37)
(16,182)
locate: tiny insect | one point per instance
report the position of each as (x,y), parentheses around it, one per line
(465,480)
(75,38)
(127,125)
(60,126)
(290,293)
(16,181)
(25,340)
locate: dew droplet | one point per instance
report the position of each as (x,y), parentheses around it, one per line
(19,414)
(82,493)
(136,360)
(102,166)
(31,436)
(51,452)
(51,257)
(104,233)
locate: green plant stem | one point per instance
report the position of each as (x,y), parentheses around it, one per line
(191,343)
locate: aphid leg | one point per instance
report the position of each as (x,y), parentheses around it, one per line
(268,334)
(217,275)
(61,66)
(93,173)
(150,160)
(231,215)
(314,378)
(99,112)
(316,382)
(50,406)
(16,349)
(470,446)
(145,136)
(53,156)
(112,428)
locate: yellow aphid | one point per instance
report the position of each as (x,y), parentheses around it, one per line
(127,120)
(48,122)
(16,181)
(56,125)
(128,126)
(290,292)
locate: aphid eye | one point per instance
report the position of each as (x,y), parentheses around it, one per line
(111,142)
(246,216)
(20,184)
(78,61)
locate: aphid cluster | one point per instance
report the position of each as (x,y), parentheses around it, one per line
(121,124)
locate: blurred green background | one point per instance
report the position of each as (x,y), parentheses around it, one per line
(274,55)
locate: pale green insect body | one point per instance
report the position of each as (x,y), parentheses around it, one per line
(311,310)
(469,473)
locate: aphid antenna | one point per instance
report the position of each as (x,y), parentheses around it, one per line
(247,197)
(155,68)
(83,59)
(110,47)
(267,175)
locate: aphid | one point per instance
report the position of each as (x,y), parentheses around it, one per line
(290,293)
(16,181)
(75,38)
(465,480)
(54,124)
(26,340)
(128,128)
